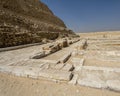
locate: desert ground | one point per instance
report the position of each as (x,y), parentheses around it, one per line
(84,66)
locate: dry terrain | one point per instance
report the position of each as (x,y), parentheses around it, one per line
(85,66)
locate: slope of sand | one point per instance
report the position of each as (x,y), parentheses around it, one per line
(16,86)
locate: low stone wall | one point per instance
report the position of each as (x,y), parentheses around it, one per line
(35,72)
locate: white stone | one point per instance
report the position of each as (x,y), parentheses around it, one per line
(78,63)
(50,61)
(59,66)
(56,74)
(114,85)
(68,67)
(92,79)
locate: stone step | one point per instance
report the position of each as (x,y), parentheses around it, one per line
(35,72)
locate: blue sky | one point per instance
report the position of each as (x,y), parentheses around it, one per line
(87,15)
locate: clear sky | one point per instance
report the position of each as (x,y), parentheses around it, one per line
(87,15)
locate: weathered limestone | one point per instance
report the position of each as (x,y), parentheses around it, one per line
(38,55)
(77,52)
(97,83)
(59,66)
(68,67)
(74,80)
(51,48)
(65,58)
(34,72)
(78,63)
(109,69)
(63,43)
(82,45)
(92,79)
(113,85)
(6,69)
(56,74)
(50,61)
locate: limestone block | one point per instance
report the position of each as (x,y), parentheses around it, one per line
(75,52)
(38,55)
(18,71)
(92,82)
(47,47)
(59,66)
(6,69)
(56,74)
(50,61)
(78,63)
(31,72)
(65,58)
(74,80)
(114,85)
(63,43)
(106,69)
(68,67)
(55,48)
(82,45)
(92,79)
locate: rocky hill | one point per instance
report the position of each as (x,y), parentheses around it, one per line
(28,21)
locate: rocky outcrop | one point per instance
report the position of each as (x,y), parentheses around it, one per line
(28,21)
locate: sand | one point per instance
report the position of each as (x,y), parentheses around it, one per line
(17,86)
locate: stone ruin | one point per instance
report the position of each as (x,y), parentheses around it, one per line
(70,67)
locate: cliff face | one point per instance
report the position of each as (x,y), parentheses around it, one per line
(28,21)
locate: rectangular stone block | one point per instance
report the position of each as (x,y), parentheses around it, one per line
(56,74)
(78,63)
(6,69)
(59,66)
(50,61)
(65,58)
(38,55)
(114,85)
(68,67)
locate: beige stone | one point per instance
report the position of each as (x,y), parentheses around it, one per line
(114,85)
(65,57)
(38,55)
(56,74)
(68,67)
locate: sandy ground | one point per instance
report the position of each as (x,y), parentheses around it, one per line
(17,86)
